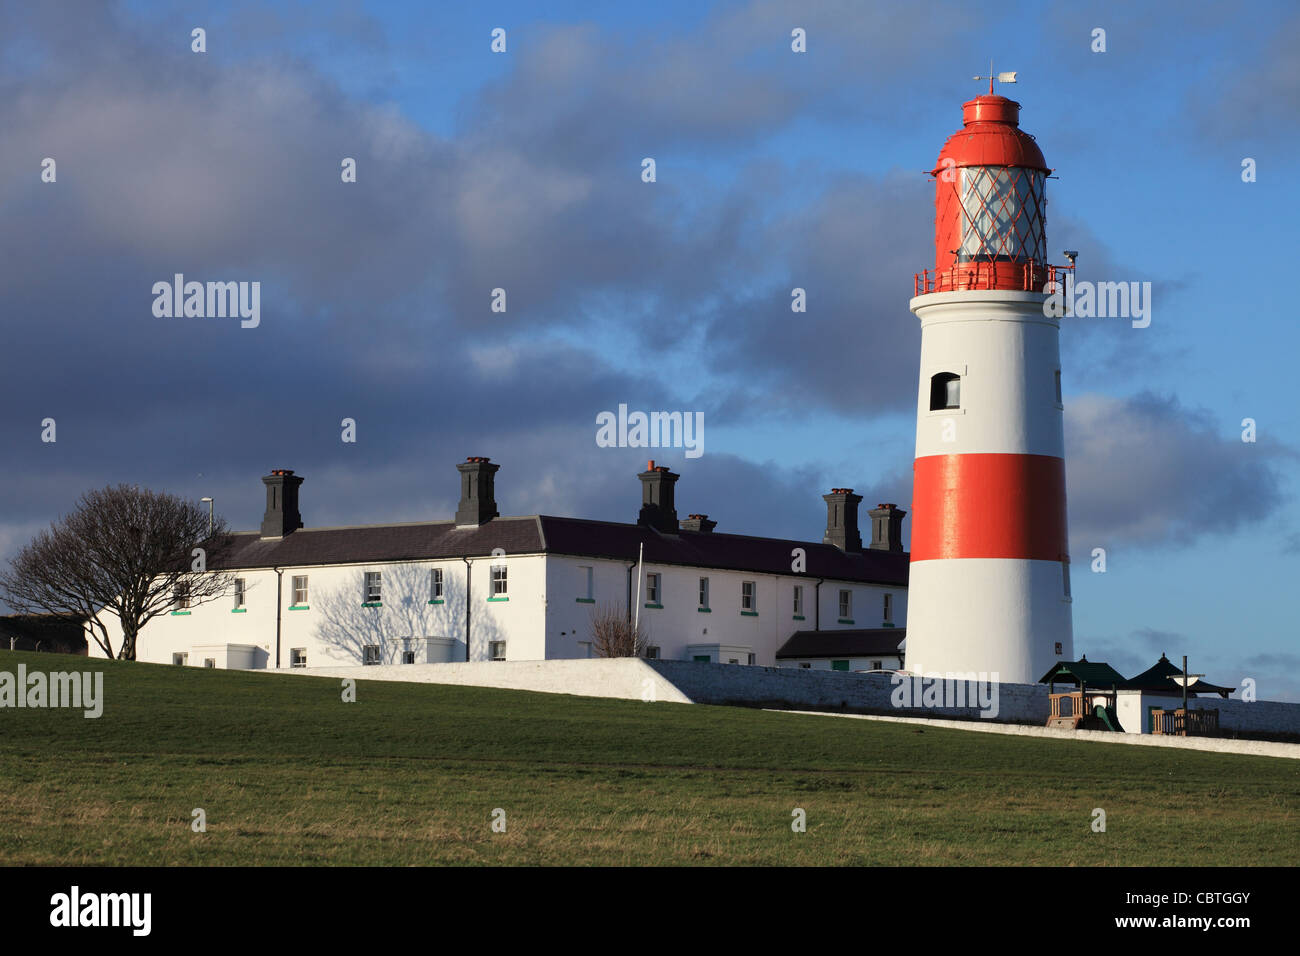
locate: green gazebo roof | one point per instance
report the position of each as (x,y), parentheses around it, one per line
(1083,671)
(1160,678)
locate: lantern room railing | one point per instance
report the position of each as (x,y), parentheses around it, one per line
(1027,276)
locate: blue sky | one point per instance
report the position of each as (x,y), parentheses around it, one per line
(521,170)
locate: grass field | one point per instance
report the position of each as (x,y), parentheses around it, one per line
(410,774)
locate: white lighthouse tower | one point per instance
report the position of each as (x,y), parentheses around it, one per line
(989,588)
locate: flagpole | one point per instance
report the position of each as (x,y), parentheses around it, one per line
(640,576)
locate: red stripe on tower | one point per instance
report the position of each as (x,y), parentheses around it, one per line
(989,506)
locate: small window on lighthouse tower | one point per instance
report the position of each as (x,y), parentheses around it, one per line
(945,391)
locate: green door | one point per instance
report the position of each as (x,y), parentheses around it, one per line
(839,665)
(702,658)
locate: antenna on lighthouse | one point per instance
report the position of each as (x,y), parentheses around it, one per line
(1008,77)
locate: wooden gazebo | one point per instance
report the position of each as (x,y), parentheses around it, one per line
(1091,705)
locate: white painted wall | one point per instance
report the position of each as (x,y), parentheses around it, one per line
(679,624)
(1132,707)
(334,626)
(519,621)
(988,614)
(542,618)
(1007,353)
(569,607)
(624,678)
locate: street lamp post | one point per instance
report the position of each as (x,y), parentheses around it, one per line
(209,501)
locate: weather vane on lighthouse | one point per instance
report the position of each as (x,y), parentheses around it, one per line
(1000,77)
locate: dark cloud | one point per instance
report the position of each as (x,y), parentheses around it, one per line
(850,251)
(1109,352)
(375,294)
(1145,472)
(1289,662)
(1156,640)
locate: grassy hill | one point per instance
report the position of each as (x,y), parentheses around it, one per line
(410,774)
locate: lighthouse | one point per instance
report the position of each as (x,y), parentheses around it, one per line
(989,587)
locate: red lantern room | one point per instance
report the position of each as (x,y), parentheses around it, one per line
(990,204)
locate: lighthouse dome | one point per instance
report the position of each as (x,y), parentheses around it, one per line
(990,202)
(990,136)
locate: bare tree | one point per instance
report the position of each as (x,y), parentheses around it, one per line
(405,619)
(125,551)
(612,633)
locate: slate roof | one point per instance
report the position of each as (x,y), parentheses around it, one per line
(843,642)
(731,552)
(536,534)
(363,544)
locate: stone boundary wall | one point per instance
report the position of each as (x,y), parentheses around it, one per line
(693,682)
(802,689)
(777,688)
(624,678)
(1259,716)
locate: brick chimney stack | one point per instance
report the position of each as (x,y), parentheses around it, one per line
(842,520)
(282,516)
(478,502)
(700,523)
(658,509)
(887,527)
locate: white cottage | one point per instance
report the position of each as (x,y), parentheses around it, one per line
(482,587)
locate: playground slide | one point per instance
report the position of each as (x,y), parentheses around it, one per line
(1107,716)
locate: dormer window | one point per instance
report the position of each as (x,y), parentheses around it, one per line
(945,391)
